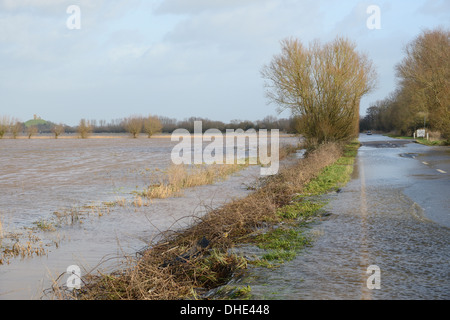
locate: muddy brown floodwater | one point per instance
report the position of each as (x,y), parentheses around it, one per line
(74,178)
(394,214)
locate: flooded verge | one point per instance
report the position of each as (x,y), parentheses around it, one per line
(382,217)
(375,220)
(42,177)
(189,263)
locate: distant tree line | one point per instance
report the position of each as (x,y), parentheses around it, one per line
(422,97)
(160,124)
(15,127)
(286,125)
(136,125)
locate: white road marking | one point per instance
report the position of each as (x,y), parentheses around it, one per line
(424,162)
(441,171)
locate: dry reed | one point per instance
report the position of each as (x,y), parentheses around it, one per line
(33,246)
(189,262)
(179,177)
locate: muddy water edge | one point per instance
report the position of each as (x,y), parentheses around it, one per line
(375,220)
(72,202)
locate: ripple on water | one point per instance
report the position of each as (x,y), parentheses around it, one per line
(412,252)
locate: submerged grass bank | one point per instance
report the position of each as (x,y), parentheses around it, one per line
(188,263)
(424,141)
(283,242)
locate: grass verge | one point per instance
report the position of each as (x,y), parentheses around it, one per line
(284,242)
(188,263)
(421,140)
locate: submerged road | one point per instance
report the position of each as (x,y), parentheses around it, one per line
(388,234)
(423,172)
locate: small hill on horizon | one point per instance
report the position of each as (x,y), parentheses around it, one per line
(35,122)
(43,126)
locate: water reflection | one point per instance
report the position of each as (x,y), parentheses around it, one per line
(39,177)
(373,222)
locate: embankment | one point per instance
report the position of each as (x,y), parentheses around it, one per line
(189,263)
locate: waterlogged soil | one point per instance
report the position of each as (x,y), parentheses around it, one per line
(393,214)
(75,200)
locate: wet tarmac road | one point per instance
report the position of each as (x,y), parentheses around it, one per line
(422,171)
(392,216)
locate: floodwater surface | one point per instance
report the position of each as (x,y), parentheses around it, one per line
(73,198)
(393,214)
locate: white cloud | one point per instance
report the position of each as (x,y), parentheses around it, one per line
(127,52)
(20,4)
(199,6)
(237,20)
(189,57)
(437,9)
(107,7)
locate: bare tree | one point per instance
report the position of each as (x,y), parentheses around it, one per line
(16,127)
(58,130)
(84,128)
(31,130)
(5,123)
(323,84)
(133,125)
(152,125)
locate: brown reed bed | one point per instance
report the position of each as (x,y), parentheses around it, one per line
(11,246)
(187,263)
(180,176)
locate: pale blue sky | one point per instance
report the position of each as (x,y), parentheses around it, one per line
(181,58)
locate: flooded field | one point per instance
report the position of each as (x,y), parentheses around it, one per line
(57,196)
(394,213)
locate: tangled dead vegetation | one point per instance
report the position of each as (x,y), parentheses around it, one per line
(187,263)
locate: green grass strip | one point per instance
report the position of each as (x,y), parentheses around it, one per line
(283,243)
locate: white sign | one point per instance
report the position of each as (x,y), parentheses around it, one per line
(420,133)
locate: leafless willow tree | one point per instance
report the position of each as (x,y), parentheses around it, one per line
(58,130)
(152,125)
(84,128)
(133,125)
(16,127)
(31,131)
(5,123)
(322,84)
